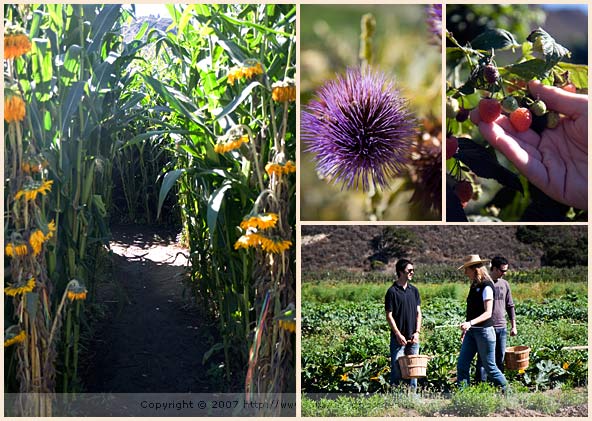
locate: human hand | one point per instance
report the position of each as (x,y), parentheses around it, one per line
(513,332)
(415,338)
(465,326)
(402,340)
(556,161)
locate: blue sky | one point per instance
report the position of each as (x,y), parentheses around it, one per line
(582,7)
(151,9)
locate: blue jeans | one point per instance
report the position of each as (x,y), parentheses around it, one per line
(501,334)
(479,340)
(396,352)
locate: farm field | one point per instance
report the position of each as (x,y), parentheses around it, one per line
(345,350)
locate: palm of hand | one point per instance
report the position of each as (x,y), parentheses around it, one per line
(559,167)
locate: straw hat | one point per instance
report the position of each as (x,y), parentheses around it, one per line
(473,259)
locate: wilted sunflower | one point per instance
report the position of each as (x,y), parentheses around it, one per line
(360,130)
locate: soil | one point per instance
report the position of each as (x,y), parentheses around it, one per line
(151,338)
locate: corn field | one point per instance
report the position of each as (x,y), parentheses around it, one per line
(196,124)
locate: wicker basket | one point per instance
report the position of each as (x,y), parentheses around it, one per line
(413,366)
(517,358)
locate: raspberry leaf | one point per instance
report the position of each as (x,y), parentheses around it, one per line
(545,44)
(484,164)
(498,39)
(578,73)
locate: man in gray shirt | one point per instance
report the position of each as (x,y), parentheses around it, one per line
(502,304)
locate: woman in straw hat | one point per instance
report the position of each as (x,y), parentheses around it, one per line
(478,334)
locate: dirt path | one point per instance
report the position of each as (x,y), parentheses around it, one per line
(150,340)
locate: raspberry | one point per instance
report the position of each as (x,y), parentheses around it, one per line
(451,107)
(489,109)
(538,108)
(464,192)
(521,119)
(569,87)
(553,119)
(462,115)
(490,73)
(509,104)
(451,146)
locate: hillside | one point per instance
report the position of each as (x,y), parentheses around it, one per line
(330,247)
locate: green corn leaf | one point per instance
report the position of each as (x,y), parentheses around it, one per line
(168,182)
(104,22)
(238,100)
(214,206)
(71,104)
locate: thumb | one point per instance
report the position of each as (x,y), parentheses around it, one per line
(557,99)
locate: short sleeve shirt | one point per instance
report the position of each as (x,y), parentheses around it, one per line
(403,304)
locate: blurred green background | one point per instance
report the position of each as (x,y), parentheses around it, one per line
(329,43)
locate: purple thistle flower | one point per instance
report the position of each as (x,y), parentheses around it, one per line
(359,128)
(434,21)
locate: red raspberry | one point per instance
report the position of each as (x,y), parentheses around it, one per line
(464,192)
(569,87)
(490,73)
(462,115)
(521,119)
(451,146)
(489,109)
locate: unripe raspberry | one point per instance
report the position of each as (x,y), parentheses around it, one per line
(521,119)
(553,119)
(462,115)
(451,146)
(464,192)
(538,108)
(509,104)
(489,109)
(490,73)
(452,107)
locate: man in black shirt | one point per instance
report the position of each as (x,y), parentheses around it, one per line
(403,313)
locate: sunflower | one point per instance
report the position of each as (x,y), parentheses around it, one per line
(16,42)
(278,169)
(20,337)
(260,221)
(283,91)
(36,240)
(31,191)
(76,291)
(14,108)
(13,250)
(247,70)
(227,146)
(13,291)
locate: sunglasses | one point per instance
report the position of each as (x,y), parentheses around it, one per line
(410,271)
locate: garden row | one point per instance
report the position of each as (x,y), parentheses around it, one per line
(345,345)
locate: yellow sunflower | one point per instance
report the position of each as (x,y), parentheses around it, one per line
(15,339)
(31,191)
(13,291)
(261,221)
(16,42)
(14,108)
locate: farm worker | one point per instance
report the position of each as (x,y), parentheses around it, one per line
(556,161)
(478,335)
(503,303)
(403,313)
